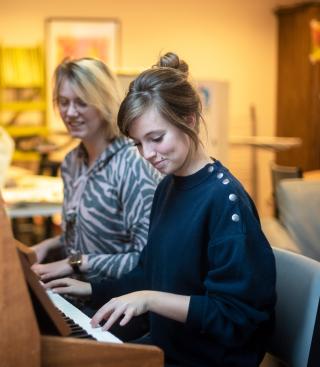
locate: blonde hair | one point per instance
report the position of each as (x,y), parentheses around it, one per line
(95,84)
(166,87)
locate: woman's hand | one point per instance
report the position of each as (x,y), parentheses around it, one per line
(69,286)
(42,249)
(172,306)
(129,305)
(56,269)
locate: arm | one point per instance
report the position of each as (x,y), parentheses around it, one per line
(239,283)
(70,286)
(169,305)
(103,290)
(234,304)
(135,182)
(239,291)
(52,270)
(70,168)
(42,249)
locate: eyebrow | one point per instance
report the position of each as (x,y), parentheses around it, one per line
(66,97)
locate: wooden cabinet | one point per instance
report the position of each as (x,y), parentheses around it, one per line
(298,89)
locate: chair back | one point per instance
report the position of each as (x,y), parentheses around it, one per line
(279,173)
(299,213)
(296,339)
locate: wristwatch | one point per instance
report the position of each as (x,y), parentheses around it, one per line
(75,260)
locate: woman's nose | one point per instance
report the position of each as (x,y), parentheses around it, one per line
(148,152)
(72,110)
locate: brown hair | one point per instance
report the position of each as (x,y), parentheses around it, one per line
(95,84)
(166,87)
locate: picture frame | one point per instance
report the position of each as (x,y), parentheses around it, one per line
(75,38)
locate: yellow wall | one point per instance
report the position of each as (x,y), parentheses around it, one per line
(225,40)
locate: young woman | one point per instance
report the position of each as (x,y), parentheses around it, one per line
(108,187)
(207,274)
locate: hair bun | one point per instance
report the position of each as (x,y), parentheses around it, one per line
(171,60)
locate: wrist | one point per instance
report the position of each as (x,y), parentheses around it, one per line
(89,289)
(151,300)
(75,261)
(84,267)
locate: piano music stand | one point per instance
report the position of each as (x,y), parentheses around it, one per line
(53,320)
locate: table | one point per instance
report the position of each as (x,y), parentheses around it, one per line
(273,143)
(28,195)
(267,142)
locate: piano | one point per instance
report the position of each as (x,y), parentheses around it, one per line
(79,322)
(66,337)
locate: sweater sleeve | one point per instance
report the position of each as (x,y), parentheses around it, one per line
(133,281)
(240,281)
(68,165)
(137,181)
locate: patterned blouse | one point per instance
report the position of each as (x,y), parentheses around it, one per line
(106,207)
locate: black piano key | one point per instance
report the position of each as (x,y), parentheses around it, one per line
(76,330)
(79,334)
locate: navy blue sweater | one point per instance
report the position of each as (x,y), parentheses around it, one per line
(205,241)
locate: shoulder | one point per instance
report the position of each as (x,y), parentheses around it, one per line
(231,206)
(225,187)
(71,158)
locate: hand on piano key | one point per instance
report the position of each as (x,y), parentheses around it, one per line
(124,307)
(70,286)
(82,320)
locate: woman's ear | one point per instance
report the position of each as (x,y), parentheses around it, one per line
(191,120)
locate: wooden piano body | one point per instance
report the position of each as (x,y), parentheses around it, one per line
(21,343)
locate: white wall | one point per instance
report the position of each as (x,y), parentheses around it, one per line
(225,40)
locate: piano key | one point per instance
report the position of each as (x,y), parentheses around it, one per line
(81,319)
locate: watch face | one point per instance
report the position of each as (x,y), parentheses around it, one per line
(75,260)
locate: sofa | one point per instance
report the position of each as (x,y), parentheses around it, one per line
(298,226)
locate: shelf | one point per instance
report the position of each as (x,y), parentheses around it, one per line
(27,130)
(19,106)
(25,156)
(23,98)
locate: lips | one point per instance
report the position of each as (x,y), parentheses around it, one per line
(74,124)
(159,164)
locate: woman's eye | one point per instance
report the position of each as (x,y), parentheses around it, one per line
(80,103)
(158,139)
(63,102)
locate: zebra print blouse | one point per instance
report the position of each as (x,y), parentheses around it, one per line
(106,207)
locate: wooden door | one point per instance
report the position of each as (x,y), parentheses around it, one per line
(298,89)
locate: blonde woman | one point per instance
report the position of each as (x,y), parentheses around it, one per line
(108,186)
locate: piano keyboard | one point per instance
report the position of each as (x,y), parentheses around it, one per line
(83,327)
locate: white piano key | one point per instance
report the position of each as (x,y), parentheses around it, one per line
(81,319)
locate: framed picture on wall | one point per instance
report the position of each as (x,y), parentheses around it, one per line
(75,38)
